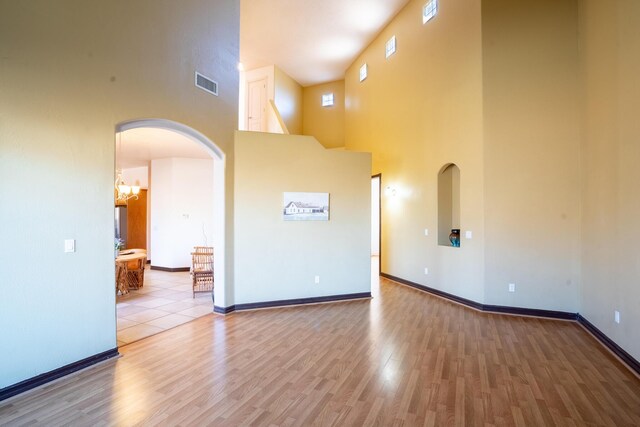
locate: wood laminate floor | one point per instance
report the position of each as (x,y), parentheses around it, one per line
(401,358)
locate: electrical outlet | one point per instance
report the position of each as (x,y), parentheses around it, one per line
(426,270)
(512,287)
(317,279)
(616,316)
(468,234)
(426,231)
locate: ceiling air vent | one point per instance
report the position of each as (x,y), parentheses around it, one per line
(205,83)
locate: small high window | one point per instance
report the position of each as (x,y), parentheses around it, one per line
(429,11)
(363,72)
(327,100)
(390,47)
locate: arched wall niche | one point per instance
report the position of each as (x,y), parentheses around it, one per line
(448,202)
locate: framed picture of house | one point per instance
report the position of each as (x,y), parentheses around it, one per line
(306,207)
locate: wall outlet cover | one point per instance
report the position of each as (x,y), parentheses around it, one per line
(69,245)
(512,287)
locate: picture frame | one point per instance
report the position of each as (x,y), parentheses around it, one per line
(303,206)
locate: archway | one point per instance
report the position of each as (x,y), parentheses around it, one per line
(218,156)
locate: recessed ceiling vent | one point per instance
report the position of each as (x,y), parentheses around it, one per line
(205,83)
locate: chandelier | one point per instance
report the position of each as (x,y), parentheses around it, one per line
(123,191)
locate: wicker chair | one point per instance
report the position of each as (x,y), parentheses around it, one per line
(202,269)
(121,283)
(135,273)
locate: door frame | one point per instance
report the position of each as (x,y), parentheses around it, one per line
(379,176)
(263,118)
(222,298)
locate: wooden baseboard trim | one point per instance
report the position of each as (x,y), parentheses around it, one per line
(533,312)
(168,269)
(625,357)
(289,302)
(445,295)
(301,301)
(519,311)
(224,310)
(47,377)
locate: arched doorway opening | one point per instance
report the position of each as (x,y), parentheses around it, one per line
(183,133)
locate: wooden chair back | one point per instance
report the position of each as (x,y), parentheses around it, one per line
(202,269)
(201,262)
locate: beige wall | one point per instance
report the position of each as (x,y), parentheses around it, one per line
(326,124)
(288,99)
(541,118)
(417,111)
(70,72)
(181,209)
(610,42)
(531,153)
(503,106)
(277,259)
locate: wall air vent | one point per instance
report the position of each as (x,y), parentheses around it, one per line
(205,83)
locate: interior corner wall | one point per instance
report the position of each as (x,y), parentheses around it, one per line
(326,124)
(417,111)
(181,210)
(277,259)
(288,99)
(102,66)
(531,153)
(610,64)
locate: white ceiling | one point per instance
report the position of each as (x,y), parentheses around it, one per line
(137,147)
(313,41)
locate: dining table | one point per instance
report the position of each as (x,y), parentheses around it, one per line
(122,267)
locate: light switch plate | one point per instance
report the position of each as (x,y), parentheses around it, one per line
(69,245)
(468,234)
(426,270)
(426,231)
(512,287)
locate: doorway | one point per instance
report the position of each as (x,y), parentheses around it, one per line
(257,105)
(165,298)
(376,223)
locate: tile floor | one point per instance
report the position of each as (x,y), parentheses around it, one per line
(165,301)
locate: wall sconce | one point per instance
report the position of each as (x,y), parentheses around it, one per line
(390,191)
